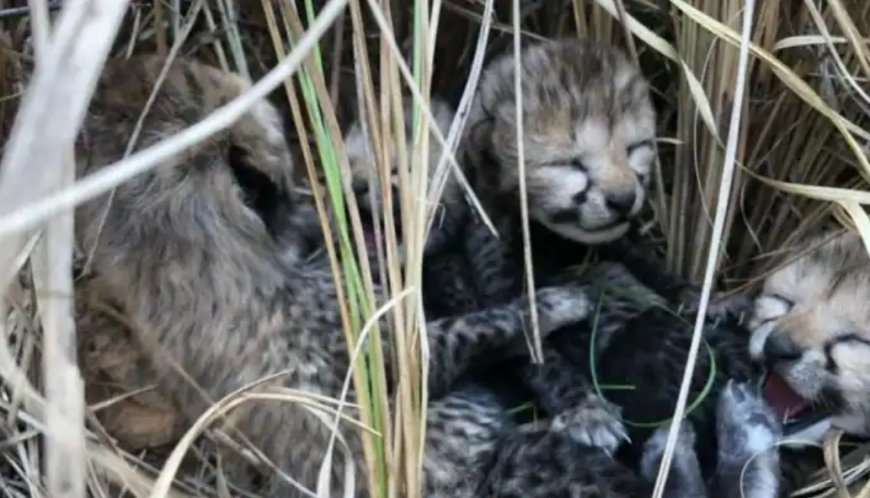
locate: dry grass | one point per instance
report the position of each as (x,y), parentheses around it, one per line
(800,155)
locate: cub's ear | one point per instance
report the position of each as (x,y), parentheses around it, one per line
(259,192)
(477,149)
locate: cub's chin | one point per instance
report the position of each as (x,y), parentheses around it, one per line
(583,235)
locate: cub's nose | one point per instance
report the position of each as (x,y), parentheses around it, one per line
(778,348)
(360,186)
(622,203)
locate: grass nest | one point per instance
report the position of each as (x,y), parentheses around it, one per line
(801,163)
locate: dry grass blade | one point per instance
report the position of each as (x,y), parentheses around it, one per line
(225,405)
(112,466)
(536,346)
(323,484)
(807,40)
(832,194)
(643,32)
(39,159)
(714,250)
(858,43)
(41,26)
(64,388)
(439,178)
(419,100)
(799,86)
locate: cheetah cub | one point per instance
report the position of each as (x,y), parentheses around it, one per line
(200,254)
(451,212)
(811,326)
(447,290)
(588,131)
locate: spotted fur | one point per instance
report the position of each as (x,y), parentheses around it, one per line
(642,341)
(201,255)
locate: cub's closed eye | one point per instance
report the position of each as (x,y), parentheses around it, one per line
(574,163)
(788,303)
(631,149)
(850,338)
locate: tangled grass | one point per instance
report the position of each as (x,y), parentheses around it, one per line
(796,161)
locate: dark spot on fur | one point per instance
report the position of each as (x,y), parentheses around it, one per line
(630,94)
(489,173)
(462,341)
(832,399)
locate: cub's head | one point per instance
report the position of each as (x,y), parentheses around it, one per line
(366,183)
(588,125)
(811,325)
(231,195)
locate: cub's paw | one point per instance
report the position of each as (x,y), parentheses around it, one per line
(654,448)
(736,308)
(684,478)
(746,426)
(594,422)
(560,306)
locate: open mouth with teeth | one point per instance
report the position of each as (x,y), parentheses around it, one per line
(797,415)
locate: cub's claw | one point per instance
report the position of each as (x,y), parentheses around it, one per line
(594,422)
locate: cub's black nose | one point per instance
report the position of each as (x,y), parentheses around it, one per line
(778,348)
(360,187)
(622,203)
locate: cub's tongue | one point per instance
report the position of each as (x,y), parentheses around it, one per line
(783,400)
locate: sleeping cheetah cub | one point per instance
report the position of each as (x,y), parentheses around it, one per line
(200,254)
(812,328)
(588,131)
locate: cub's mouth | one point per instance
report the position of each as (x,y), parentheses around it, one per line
(371,235)
(801,420)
